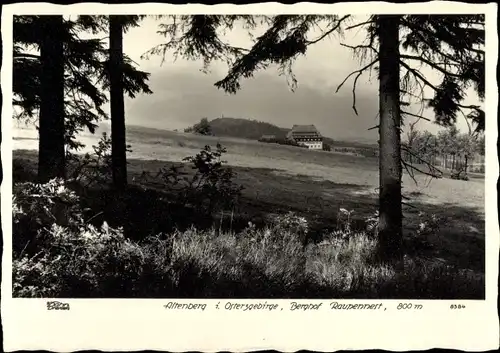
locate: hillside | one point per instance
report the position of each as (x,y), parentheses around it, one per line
(244,128)
(253,130)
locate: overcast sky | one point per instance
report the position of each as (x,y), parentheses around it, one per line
(183,94)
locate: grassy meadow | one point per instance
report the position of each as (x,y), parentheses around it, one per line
(448,262)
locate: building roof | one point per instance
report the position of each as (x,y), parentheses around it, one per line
(309,130)
(299,129)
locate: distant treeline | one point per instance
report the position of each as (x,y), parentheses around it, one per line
(243,128)
(281,141)
(449,149)
(361,151)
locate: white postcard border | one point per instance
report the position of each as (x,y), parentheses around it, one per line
(133,324)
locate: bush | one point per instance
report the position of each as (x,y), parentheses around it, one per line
(93,169)
(459,175)
(55,253)
(38,206)
(87,262)
(290,223)
(211,187)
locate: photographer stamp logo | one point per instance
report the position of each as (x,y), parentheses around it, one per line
(55,305)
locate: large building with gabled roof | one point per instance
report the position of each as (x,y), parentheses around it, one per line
(307,135)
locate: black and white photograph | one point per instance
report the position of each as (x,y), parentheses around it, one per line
(244,156)
(359,173)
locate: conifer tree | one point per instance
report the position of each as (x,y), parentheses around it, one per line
(452,45)
(86,79)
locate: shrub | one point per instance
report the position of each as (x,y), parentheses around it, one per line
(87,262)
(372,223)
(344,221)
(211,187)
(93,169)
(420,238)
(429,225)
(39,206)
(459,176)
(289,223)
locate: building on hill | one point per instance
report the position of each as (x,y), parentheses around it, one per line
(307,135)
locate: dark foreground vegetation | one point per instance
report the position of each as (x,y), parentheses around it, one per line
(82,238)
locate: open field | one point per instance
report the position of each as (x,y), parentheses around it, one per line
(317,184)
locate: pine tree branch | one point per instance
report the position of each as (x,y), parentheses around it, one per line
(402,91)
(439,35)
(330,31)
(430,63)
(360,24)
(358,73)
(415,115)
(411,169)
(418,75)
(359,47)
(473,107)
(410,172)
(435,50)
(280,45)
(432,169)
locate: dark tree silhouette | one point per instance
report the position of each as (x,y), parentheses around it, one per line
(86,77)
(202,128)
(51,162)
(194,37)
(118,142)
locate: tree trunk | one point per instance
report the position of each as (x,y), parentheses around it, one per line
(390,208)
(118,139)
(51,153)
(466,164)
